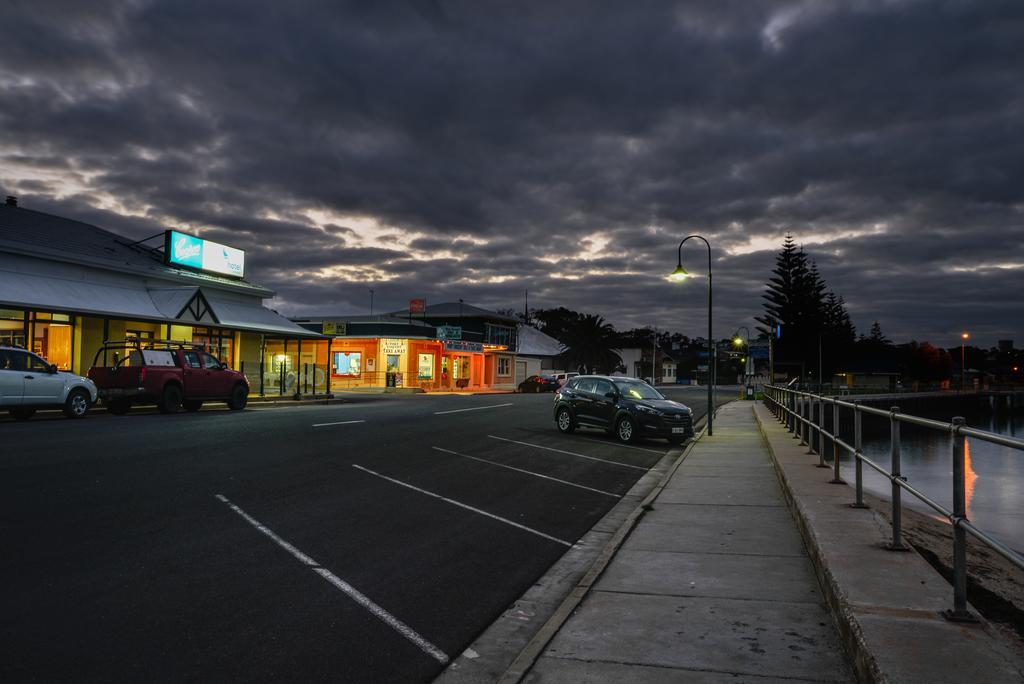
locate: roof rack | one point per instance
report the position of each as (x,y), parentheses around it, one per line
(146,343)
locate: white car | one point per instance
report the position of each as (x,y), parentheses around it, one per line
(28,382)
(562,377)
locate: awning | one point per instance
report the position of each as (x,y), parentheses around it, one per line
(80,296)
(252,316)
(165,305)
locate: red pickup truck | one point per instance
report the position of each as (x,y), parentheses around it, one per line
(170,374)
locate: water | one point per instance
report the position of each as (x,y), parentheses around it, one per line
(994,474)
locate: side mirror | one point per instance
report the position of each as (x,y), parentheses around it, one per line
(52,368)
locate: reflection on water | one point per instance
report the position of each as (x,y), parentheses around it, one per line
(994,474)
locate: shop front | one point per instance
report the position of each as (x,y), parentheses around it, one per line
(64,303)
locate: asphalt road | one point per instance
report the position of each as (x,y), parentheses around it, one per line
(369,541)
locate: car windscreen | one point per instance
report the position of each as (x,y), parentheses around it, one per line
(634,389)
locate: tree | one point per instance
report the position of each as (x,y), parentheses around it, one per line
(591,345)
(557,322)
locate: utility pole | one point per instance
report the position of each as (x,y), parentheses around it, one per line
(371,301)
(526,307)
(654,354)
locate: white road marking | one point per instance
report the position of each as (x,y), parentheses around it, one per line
(466,506)
(570,453)
(340,584)
(528,472)
(475,408)
(622,446)
(340,422)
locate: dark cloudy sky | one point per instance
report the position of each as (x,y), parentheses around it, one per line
(478,149)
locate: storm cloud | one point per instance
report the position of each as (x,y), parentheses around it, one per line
(476,150)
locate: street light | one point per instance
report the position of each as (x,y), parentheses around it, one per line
(748,366)
(963,368)
(679,275)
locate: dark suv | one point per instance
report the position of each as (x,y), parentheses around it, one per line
(626,407)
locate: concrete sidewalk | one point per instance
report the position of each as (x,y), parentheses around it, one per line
(713,583)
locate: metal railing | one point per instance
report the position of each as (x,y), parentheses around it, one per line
(803,414)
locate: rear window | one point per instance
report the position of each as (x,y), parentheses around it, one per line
(586,384)
(157,357)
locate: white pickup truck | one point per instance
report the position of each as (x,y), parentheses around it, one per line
(28,382)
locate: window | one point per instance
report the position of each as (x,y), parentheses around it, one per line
(348,363)
(192,359)
(12,328)
(218,341)
(504,365)
(13,360)
(603,387)
(426,366)
(52,337)
(210,362)
(586,385)
(37,364)
(498,334)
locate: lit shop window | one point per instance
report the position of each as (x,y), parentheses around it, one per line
(348,363)
(51,338)
(426,366)
(504,365)
(12,328)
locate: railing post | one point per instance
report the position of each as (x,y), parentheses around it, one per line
(959,613)
(858,448)
(801,425)
(836,477)
(897,507)
(821,431)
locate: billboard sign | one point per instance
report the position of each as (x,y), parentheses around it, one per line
(459,345)
(417,305)
(182,249)
(449,332)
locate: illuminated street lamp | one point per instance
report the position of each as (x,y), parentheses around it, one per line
(679,275)
(963,368)
(748,364)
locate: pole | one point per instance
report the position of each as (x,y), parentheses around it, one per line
(711,355)
(959,612)
(371,301)
(654,353)
(897,507)
(821,379)
(963,367)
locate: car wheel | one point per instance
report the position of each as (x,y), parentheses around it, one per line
(564,421)
(239,397)
(625,430)
(118,407)
(22,413)
(192,405)
(170,402)
(77,404)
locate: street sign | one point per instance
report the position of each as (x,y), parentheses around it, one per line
(330,327)
(449,332)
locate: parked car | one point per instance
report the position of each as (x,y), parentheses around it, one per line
(29,382)
(563,377)
(626,407)
(170,374)
(539,383)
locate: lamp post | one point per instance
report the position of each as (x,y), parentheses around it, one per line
(679,275)
(963,366)
(371,302)
(748,363)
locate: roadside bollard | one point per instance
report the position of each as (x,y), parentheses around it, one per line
(959,613)
(897,508)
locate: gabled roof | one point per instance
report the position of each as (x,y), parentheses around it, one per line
(533,342)
(34,233)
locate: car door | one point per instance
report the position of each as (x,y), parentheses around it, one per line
(603,407)
(583,400)
(218,383)
(41,386)
(12,376)
(196,377)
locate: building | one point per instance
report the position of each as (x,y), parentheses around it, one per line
(444,347)
(67,286)
(535,352)
(635,361)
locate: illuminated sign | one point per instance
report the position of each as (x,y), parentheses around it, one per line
(181,249)
(449,332)
(417,305)
(459,345)
(392,346)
